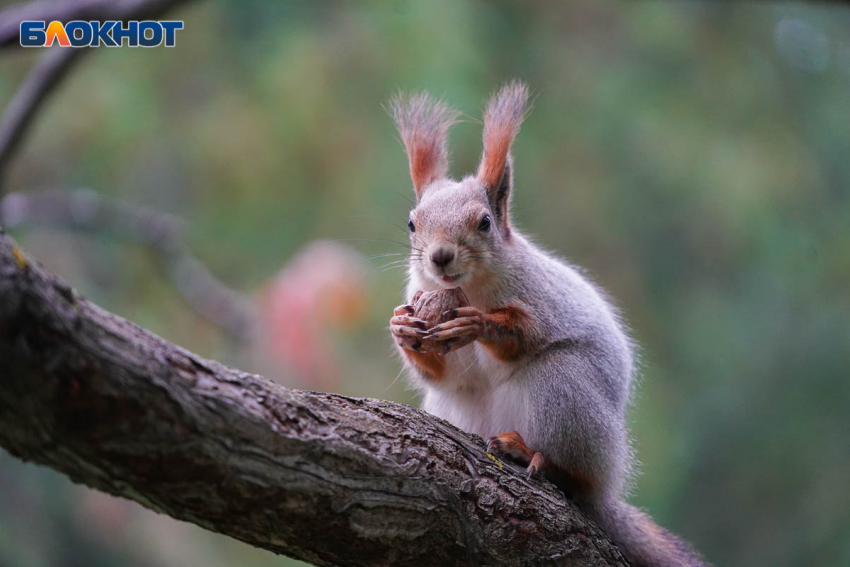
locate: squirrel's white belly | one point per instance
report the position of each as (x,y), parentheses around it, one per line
(479,394)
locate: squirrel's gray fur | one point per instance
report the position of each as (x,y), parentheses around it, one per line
(568,392)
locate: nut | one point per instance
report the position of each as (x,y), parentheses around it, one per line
(431,306)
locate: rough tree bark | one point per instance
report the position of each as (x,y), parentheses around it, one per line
(325,478)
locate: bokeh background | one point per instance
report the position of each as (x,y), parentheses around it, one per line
(692,156)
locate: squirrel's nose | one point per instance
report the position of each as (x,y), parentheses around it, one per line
(442,256)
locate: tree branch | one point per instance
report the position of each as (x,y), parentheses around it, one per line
(86,210)
(321,477)
(48,72)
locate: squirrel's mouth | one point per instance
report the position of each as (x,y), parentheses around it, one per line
(451,279)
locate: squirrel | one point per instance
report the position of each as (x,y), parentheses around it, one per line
(538,361)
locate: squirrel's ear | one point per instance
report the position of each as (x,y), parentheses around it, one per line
(504,114)
(424,123)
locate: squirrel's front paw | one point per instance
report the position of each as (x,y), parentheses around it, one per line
(407,330)
(465,326)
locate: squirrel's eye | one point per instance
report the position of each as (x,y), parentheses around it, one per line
(411,226)
(485,224)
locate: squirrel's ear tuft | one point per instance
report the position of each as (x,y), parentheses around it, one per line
(424,123)
(504,114)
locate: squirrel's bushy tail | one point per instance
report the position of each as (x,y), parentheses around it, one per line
(643,542)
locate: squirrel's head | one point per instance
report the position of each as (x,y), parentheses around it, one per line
(458,229)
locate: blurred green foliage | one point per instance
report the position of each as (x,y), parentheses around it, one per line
(694,157)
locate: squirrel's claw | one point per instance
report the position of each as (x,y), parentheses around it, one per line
(511,445)
(407,321)
(406,309)
(457,332)
(408,331)
(536,464)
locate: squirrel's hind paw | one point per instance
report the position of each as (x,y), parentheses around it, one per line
(511,445)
